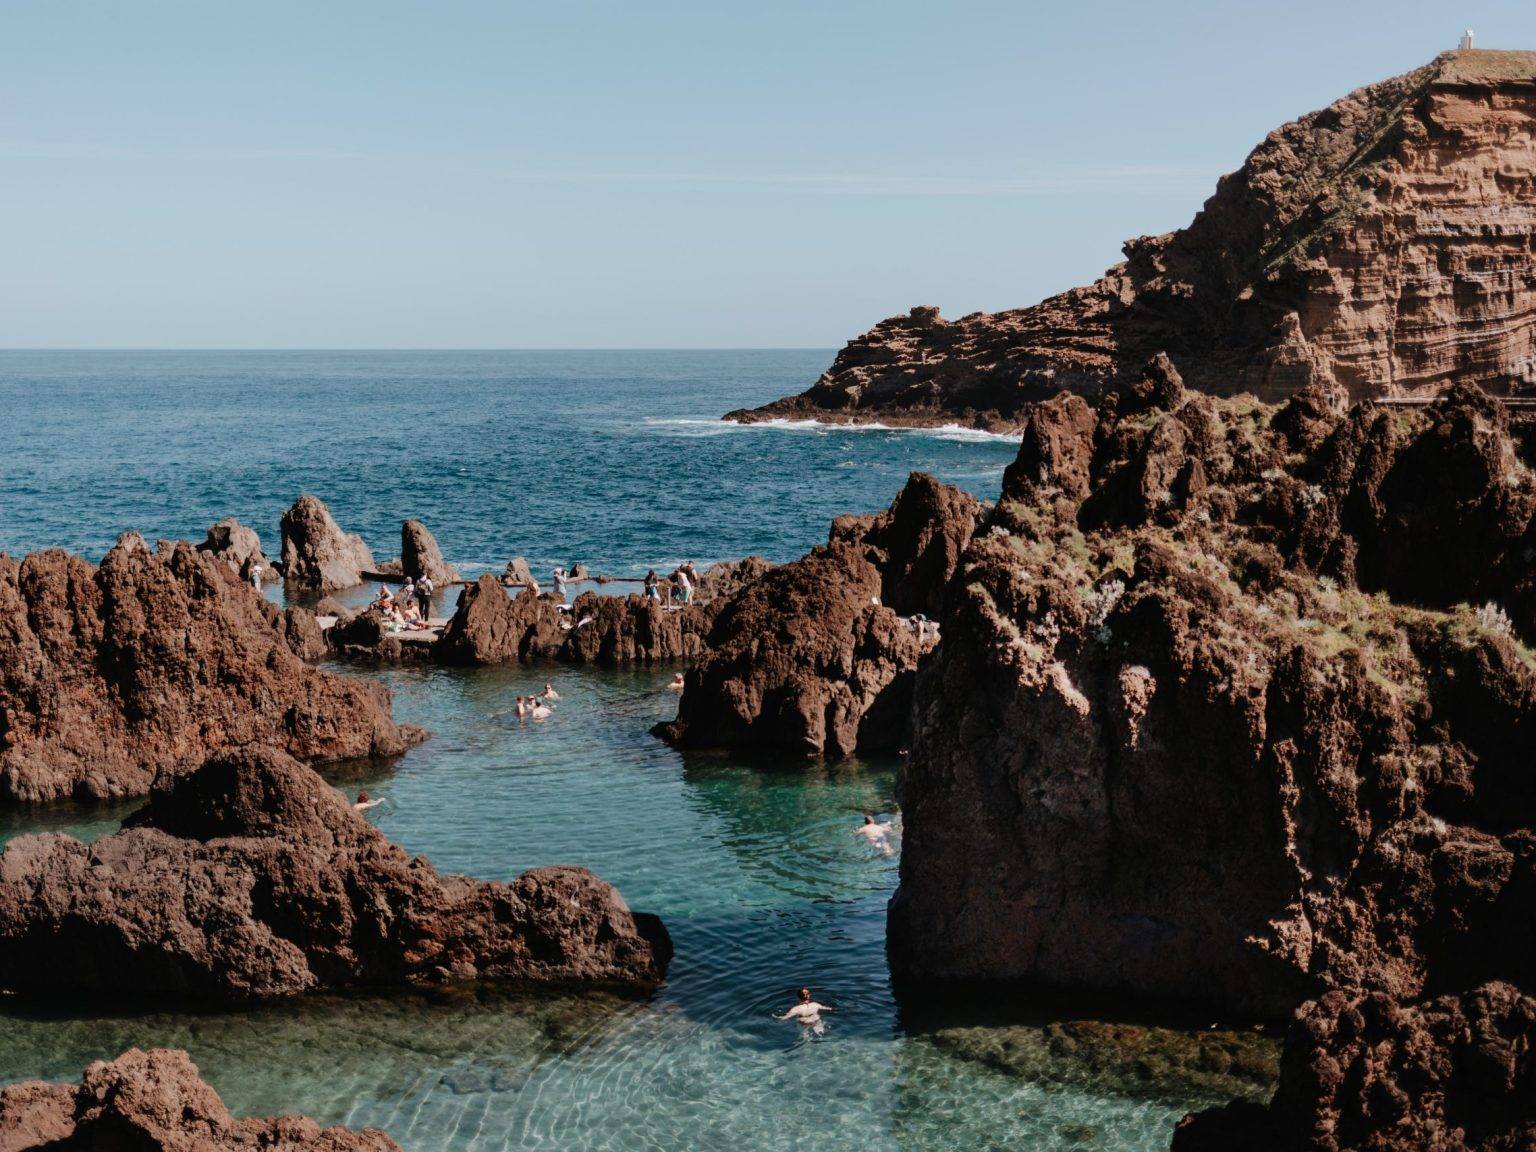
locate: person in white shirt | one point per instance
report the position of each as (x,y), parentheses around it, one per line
(562,585)
(256,578)
(806,1011)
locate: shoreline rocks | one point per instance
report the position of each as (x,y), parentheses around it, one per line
(1233,707)
(816,657)
(318,557)
(251,878)
(1302,269)
(111,675)
(155,1101)
(420,556)
(239,547)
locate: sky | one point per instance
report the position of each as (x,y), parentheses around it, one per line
(628,175)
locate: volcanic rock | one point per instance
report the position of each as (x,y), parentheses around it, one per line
(816,657)
(420,556)
(239,547)
(252,878)
(1234,706)
(1382,244)
(518,572)
(112,674)
(155,1101)
(318,557)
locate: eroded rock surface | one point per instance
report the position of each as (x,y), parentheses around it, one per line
(1382,244)
(420,556)
(155,1101)
(318,557)
(1234,706)
(112,674)
(817,657)
(239,547)
(252,878)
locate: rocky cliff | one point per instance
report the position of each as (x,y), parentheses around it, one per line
(111,674)
(818,657)
(318,557)
(1383,244)
(252,878)
(155,1101)
(1234,705)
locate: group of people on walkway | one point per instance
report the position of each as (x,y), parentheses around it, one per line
(411,608)
(677,589)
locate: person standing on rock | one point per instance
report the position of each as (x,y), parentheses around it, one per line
(408,592)
(562,586)
(651,591)
(424,590)
(255,574)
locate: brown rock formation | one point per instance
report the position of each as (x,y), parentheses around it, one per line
(1212,719)
(155,1101)
(1364,1071)
(252,878)
(318,557)
(239,547)
(420,555)
(110,675)
(1383,243)
(815,657)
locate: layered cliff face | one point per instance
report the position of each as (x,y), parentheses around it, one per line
(817,657)
(111,674)
(155,1101)
(1234,705)
(252,878)
(1384,244)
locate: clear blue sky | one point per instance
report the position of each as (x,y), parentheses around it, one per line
(567,174)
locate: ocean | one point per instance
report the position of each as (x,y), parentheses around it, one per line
(617,460)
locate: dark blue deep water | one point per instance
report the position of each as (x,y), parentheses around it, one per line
(616,459)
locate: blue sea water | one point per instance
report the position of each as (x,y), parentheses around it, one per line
(616,459)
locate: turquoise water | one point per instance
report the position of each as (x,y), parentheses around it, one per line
(753,864)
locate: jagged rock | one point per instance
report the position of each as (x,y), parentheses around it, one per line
(318,557)
(814,657)
(1382,244)
(110,675)
(238,546)
(420,556)
(155,1101)
(520,574)
(1363,1071)
(252,878)
(1214,720)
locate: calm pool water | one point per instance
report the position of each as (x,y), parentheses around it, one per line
(613,458)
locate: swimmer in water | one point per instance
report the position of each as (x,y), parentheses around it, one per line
(550,693)
(806,1011)
(363,803)
(521,709)
(878,835)
(677,683)
(540,711)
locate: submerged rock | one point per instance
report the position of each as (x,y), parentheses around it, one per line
(816,657)
(240,547)
(112,674)
(420,556)
(318,557)
(252,878)
(155,1101)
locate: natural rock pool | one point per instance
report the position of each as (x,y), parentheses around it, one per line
(764,887)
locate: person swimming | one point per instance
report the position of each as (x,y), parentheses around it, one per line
(550,693)
(363,803)
(677,683)
(805,1011)
(878,835)
(521,709)
(539,710)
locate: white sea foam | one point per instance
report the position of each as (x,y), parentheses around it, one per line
(957,433)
